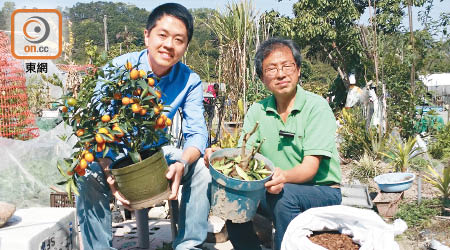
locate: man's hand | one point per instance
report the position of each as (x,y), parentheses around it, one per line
(174,174)
(104,163)
(118,195)
(208,153)
(276,184)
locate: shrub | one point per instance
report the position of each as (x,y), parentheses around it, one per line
(353,133)
(440,148)
(356,139)
(419,164)
(419,215)
(366,168)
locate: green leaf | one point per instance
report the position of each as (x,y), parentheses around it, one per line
(74,187)
(143,86)
(145,92)
(62,182)
(135,157)
(242,173)
(105,152)
(227,171)
(69,191)
(257,176)
(253,164)
(216,164)
(63,173)
(87,138)
(237,159)
(147,98)
(264,171)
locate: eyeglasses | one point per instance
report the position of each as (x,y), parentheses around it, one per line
(286,68)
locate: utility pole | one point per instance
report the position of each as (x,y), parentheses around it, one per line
(105,27)
(411,32)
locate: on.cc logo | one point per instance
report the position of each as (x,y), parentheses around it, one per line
(36,34)
(36,29)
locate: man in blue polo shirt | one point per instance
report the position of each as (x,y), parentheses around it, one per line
(168,32)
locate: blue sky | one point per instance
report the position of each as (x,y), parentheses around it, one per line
(284,7)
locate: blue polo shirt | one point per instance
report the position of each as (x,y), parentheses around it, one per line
(181,87)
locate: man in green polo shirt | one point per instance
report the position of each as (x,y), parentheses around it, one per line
(298,129)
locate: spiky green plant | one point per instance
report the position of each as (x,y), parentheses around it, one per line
(401,153)
(440,181)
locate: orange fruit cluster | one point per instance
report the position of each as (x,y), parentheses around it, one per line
(86,157)
(163,121)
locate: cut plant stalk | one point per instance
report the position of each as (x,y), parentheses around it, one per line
(244,166)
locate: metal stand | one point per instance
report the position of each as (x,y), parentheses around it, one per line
(142,228)
(173,210)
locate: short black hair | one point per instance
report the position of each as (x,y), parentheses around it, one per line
(175,10)
(274,43)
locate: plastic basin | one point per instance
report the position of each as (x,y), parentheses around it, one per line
(233,199)
(394,182)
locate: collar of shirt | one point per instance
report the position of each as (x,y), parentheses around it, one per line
(271,105)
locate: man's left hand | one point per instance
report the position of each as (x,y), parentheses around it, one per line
(174,174)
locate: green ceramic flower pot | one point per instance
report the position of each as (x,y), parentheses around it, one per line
(144,183)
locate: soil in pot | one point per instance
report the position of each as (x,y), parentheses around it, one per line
(333,240)
(126,161)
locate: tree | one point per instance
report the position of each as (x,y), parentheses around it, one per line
(87,21)
(5,15)
(203,52)
(329,29)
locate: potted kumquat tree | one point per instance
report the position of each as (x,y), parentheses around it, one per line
(119,118)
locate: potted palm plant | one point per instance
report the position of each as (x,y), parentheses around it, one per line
(120,118)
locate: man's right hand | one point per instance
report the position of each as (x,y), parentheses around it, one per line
(104,163)
(208,153)
(276,184)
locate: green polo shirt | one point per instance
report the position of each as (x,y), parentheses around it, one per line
(312,126)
